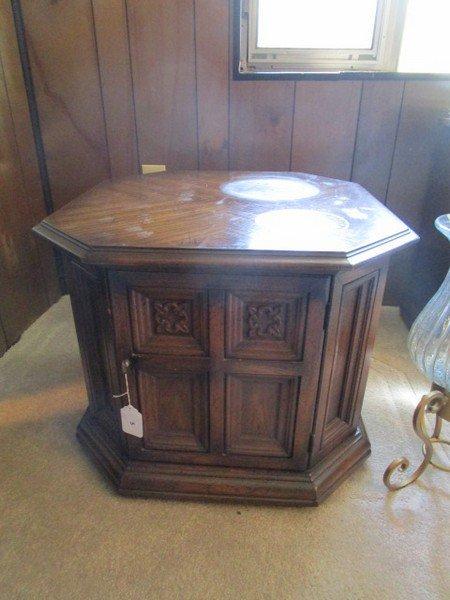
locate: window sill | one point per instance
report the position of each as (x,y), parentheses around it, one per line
(334,76)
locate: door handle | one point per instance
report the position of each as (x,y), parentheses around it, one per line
(131,418)
(126,367)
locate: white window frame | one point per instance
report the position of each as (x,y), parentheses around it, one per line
(383,56)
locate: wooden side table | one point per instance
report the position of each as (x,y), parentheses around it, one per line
(225,323)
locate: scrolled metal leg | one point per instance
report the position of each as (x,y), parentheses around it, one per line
(437,403)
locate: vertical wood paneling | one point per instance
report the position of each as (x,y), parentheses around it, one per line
(261,125)
(22,291)
(430,260)
(18,103)
(163,63)
(377,130)
(212,55)
(63,56)
(423,106)
(325,121)
(411,186)
(111,30)
(19,110)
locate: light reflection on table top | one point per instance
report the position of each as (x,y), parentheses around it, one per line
(293,212)
(270,188)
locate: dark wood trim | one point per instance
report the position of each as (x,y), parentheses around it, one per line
(36,128)
(102,89)
(316,75)
(341,76)
(32,104)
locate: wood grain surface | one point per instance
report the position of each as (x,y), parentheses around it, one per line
(199,210)
(28,283)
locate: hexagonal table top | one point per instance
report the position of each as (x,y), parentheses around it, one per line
(210,211)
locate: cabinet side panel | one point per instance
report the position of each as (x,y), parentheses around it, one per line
(88,295)
(356,304)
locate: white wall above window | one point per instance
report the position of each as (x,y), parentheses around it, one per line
(343,35)
(426,37)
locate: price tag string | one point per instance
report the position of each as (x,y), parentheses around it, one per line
(127,392)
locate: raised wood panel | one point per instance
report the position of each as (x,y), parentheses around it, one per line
(261,125)
(353,319)
(63,56)
(86,290)
(162,41)
(325,122)
(261,413)
(377,131)
(23,294)
(265,325)
(212,60)
(111,30)
(175,410)
(169,322)
(353,323)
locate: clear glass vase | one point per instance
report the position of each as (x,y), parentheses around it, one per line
(429,338)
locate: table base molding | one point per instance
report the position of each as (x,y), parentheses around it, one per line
(222,484)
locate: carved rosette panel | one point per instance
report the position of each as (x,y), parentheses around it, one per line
(265,321)
(172,318)
(265,325)
(177,324)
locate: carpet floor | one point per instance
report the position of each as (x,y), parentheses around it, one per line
(65,534)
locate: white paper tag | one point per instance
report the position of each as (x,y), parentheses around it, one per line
(132,421)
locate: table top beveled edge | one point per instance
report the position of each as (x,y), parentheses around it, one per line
(135,257)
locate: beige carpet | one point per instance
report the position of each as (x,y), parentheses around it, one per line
(65,534)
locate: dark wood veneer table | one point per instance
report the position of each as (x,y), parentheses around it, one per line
(241,308)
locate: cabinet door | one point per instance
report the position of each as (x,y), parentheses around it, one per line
(163,329)
(225,368)
(272,352)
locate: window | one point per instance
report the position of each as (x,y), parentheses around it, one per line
(426,40)
(343,35)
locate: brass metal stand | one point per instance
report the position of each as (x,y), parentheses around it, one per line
(436,402)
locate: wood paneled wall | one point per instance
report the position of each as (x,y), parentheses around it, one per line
(28,283)
(419,191)
(125,82)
